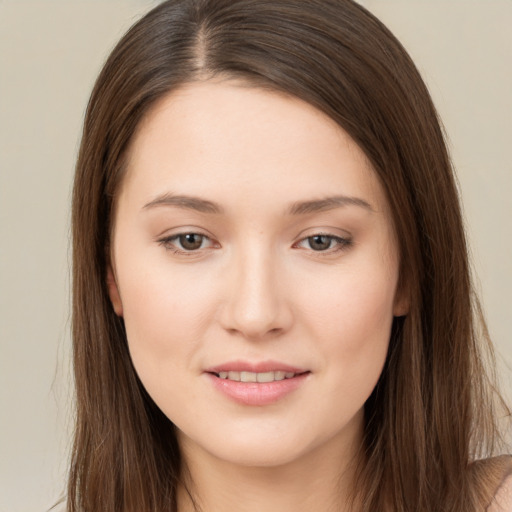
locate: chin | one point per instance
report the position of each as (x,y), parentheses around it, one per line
(267,445)
(268,455)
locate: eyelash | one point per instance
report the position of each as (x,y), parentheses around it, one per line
(168,242)
(342,243)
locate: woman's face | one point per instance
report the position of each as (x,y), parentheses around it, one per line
(255,266)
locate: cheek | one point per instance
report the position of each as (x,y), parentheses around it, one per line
(165,313)
(352,304)
(352,323)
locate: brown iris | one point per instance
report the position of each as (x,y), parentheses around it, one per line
(191,241)
(320,242)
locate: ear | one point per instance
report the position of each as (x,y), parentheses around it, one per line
(113,291)
(400,307)
(401,303)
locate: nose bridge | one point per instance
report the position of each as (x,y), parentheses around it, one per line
(256,304)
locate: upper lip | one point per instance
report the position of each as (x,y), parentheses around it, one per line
(253,367)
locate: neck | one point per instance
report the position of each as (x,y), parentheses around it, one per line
(320,480)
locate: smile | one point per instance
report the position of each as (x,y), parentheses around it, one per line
(256,384)
(271,376)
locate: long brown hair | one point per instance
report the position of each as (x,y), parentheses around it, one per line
(432,411)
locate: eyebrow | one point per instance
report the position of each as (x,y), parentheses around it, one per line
(187,202)
(329,203)
(296,208)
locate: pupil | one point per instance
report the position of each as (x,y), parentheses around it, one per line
(191,241)
(320,242)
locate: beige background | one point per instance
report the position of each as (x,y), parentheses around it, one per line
(50,53)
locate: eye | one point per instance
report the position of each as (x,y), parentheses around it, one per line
(324,243)
(183,243)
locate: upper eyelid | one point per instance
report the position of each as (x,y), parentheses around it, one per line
(332,233)
(328,235)
(173,236)
(335,232)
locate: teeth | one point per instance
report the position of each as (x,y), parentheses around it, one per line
(248,377)
(265,377)
(256,377)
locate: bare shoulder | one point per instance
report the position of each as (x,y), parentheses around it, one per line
(492,483)
(502,500)
(494,479)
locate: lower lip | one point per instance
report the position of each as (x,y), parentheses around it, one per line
(257,393)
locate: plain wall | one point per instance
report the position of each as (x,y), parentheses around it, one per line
(50,54)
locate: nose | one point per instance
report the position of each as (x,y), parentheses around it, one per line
(256,305)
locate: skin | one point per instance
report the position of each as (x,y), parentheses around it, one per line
(258,288)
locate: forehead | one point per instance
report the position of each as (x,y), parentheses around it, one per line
(217,138)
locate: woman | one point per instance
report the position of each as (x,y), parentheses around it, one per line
(272,304)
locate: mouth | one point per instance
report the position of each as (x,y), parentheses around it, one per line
(262,377)
(257,384)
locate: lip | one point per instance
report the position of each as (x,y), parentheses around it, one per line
(256,393)
(259,367)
